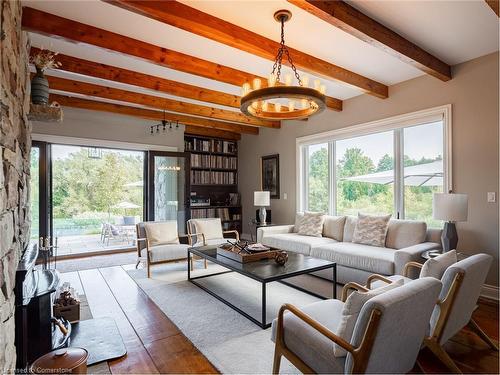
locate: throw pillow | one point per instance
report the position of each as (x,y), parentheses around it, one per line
(298,218)
(211,228)
(371,230)
(311,224)
(435,267)
(162,232)
(350,312)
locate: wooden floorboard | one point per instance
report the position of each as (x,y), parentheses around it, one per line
(169,349)
(155,345)
(102,303)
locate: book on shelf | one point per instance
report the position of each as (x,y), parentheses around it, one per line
(213,161)
(222,213)
(210,145)
(213,177)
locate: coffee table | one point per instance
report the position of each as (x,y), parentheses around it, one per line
(263,271)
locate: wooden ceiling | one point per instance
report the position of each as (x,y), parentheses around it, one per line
(204,119)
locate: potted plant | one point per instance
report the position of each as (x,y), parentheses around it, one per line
(42,60)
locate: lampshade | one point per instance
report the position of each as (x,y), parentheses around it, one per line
(450,207)
(261,198)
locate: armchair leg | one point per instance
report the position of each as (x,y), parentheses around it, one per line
(478,331)
(205,263)
(191,263)
(149,270)
(277,360)
(137,263)
(442,355)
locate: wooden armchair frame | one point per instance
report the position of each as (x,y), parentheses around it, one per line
(360,354)
(445,306)
(149,262)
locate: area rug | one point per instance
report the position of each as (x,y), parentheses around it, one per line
(229,340)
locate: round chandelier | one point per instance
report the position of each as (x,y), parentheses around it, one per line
(286,100)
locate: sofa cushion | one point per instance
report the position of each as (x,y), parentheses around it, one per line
(168,252)
(333,227)
(311,224)
(295,242)
(161,232)
(310,345)
(298,218)
(405,233)
(349,226)
(371,229)
(364,257)
(435,267)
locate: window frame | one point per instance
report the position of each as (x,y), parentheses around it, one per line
(394,123)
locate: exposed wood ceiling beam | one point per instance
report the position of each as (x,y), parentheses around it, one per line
(90,89)
(495,6)
(353,22)
(112,73)
(195,21)
(54,26)
(212,133)
(149,114)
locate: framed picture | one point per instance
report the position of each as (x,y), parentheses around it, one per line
(270,175)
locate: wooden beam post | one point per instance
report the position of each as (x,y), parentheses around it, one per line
(48,24)
(90,89)
(352,21)
(93,105)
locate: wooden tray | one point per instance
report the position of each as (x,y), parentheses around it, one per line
(244,257)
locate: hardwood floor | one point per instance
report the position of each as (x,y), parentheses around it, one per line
(155,345)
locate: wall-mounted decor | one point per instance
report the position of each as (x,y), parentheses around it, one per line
(270,175)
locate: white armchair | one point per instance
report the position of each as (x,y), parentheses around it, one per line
(462,283)
(161,242)
(203,232)
(387,334)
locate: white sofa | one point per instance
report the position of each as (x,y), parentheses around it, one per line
(406,240)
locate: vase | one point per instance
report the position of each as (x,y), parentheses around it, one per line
(39,88)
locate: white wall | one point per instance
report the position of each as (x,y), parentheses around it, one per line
(82,123)
(473,93)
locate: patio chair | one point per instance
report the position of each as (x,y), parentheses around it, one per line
(462,282)
(162,243)
(387,336)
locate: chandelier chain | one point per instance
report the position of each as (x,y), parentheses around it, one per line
(279,57)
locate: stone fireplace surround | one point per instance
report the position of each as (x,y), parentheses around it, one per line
(15,145)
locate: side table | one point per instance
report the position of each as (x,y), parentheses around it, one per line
(257,226)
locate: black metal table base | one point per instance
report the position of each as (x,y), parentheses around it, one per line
(263,322)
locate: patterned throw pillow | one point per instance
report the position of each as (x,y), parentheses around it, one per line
(371,230)
(311,224)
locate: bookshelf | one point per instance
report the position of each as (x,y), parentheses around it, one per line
(214,180)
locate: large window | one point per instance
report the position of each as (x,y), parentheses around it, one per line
(391,166)
(358,161)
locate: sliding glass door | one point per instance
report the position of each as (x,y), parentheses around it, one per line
(168,187)
(97,198)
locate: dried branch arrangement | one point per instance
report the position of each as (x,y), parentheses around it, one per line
(44,60)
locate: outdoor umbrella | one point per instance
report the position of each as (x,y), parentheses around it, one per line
(428,174)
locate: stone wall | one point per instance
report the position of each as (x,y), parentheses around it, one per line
(15,144)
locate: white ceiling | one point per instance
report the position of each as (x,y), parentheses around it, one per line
(454,31)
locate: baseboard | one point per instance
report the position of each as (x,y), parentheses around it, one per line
(490,292)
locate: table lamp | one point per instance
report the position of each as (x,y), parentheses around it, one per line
(262,199)
(451,208)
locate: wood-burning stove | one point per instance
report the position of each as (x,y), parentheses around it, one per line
(36,333)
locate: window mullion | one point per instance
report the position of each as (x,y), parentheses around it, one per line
(332,179)
(399,173)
